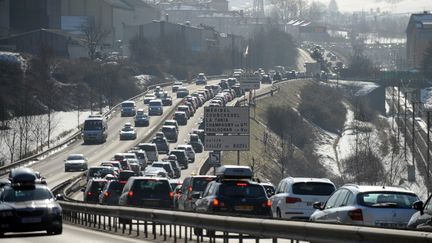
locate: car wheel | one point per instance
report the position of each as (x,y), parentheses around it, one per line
(278,213)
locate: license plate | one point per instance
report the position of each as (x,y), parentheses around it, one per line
(244,208)
(30,220)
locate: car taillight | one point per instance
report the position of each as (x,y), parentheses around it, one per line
(268,203)
(215,202)
(106,194)
(123,182)
(190,189)
(130,193)
(89,194)
(242,184)
(171,195)
(356,214)
(292,200)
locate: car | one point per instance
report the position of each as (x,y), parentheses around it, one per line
(294,196)
(378,206)
(200,133)
(162,145)
(111,193)
(174,164)
(181,118)
(24,204)
(195,142)
(170,132)
(167,167)
(190,152)
(76,162)
(124,176)
(4,182)
(182,92)
(151,151)
(155,172)
(93,189)
(231,81)
(99,172)
(176,85)
(174,183)
(155,107)
(269,188)
(149,97)
(192,185)
(142,119)
(182,158)
(421,219)
(114,164)
(234,193)
(201,79)
(148,192)
(128,132)
(266,79)
(171,122)
(128,108)
(134,166)
(141,157)
(177,194)
(185,109)
(166,99)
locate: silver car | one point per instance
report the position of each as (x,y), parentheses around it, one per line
(128,132)
(378,206)
(76,162)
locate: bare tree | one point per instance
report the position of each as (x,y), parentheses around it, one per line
(94,34)
(11,140)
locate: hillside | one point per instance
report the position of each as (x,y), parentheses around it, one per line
(361,149)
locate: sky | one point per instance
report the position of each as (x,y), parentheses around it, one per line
(400,6)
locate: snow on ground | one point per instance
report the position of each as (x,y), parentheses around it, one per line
(426,97)
(346,142)
(325,152)
(62,122)
(13,57)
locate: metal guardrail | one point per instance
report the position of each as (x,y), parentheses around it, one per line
(5,169)
(212,226)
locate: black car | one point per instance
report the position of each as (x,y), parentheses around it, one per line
(234,193)
(24,203)
(142,118)
(149,192)
(192,185)
(93,189)
(161,144)
(182,158)
(181,118)
(111,193)
(195,142)
(166,99)
(170,132)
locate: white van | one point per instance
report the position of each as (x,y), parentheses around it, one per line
(151,151)
(155,107)
(128,108)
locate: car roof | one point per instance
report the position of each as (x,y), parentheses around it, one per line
(148,178)
(371,188)
(128,102)
(76,155)
(308,179)
(180,112)
(169,126)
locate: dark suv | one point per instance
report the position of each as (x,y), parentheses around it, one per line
(151,192)
(170,133)
(162,145)
(193,185)
(93,189)
(182,158)
(233,192)
(111,193)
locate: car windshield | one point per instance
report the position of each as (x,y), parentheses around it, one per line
(155,103)
(140,113)
(128,105)
(242,189)
(99,172)
(200,184)
(313,188)
(148,147)
(16,195)
(127,129)
(92,125)
(387,199)
(97,186)
(75,157)
(151,188)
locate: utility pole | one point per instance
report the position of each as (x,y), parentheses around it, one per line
(398,113)
(413,128)
(428,152)
(405,126)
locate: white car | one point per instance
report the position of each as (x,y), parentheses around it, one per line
(149,97)
(76,162)
(294,196)
(190,152)
(378,206)
(128,132)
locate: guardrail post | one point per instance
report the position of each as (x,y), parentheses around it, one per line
(165,232)
(274,240)
(104,222)
(185,237)
(175,233)
(145,229)
(170,228)
(99,221)
(137,228)
(190,233)
(109,223)
(241,238)
(154,230)
(115,224)
(180,233)
(124,227)
(257,239)
(225,237)
(130,227)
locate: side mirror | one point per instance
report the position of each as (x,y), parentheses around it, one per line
(418,205)
(82,189)
(317,205)
(196,195)
(59,197)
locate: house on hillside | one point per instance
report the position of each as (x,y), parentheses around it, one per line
(419,34)
(62,44)
(113,15)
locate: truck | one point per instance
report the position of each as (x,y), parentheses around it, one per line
(313,69)
(95,129)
